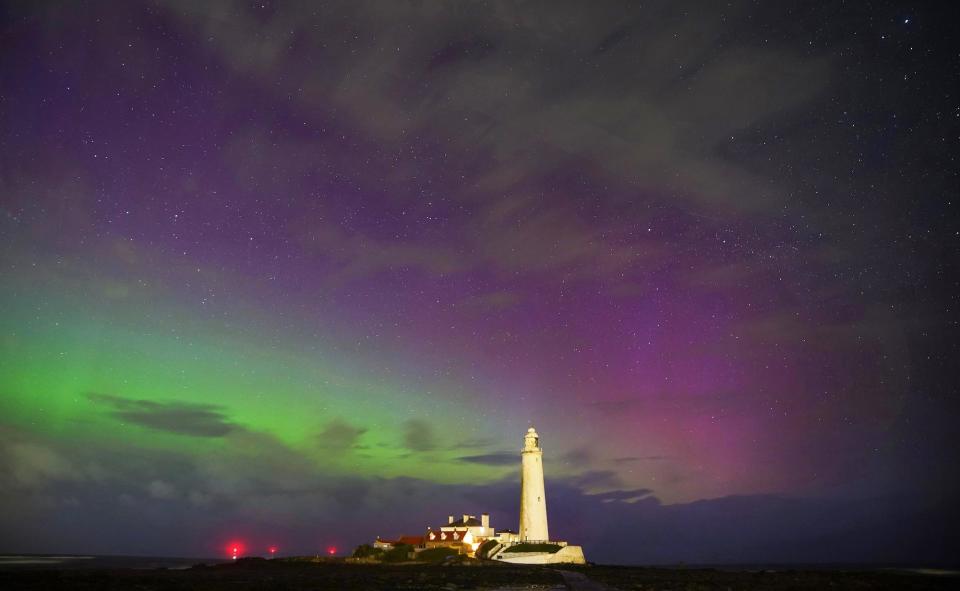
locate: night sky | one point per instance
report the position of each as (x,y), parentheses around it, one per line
(303,274)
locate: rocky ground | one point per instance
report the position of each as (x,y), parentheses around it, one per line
(692,579)
(343,576)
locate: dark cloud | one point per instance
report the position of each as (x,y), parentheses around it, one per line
(502,458)
(632,459)
(183,418)
(186,509)
(339,435)
(418,435)
(626,496)
(579,457)
(595,479)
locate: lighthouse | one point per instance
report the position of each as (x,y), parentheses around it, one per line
(533,500)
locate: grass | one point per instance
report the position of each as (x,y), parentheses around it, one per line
(399,553)
(435,554)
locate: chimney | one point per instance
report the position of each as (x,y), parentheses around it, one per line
(485,520)
(450,519)
(465,518)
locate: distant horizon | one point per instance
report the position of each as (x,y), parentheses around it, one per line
(951,568)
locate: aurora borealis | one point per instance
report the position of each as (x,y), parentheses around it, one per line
(303,274)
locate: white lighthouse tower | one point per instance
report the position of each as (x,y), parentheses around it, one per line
(533,500)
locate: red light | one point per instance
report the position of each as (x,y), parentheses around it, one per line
(235,549)
(331,550)
(273,549)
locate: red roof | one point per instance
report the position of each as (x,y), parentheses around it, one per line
(447,536)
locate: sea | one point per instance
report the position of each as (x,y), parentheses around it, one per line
(67,561)
(80,561)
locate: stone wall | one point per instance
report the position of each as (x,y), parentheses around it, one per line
(566,555)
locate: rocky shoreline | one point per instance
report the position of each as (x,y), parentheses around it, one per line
(340,575)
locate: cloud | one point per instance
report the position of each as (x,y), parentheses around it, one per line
(624,496)
(339,435)
(502,458)
(632,459)
(159,489)
(356,254)
(418,435)
(595,479)
(528,236)
(274,490)
(580,457)
(199,499)
(617,120)
(31,465)
(183,418)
